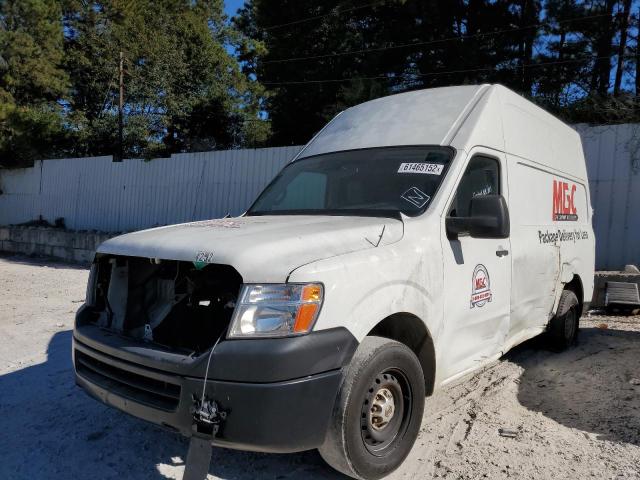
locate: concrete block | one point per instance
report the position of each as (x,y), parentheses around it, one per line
(67,245)
(65,253)
(10,246)
(19,234)
(83,256)
(58,238)
(85,241)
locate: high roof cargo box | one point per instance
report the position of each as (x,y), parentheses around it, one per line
(461,117)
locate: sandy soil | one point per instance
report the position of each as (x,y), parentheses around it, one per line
(575,414)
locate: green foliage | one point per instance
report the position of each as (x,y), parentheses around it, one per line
(561,53)
(31,80)
(183,89)
(193,80)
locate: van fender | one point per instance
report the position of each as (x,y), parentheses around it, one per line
(363,288)
(407,298)
(567,272)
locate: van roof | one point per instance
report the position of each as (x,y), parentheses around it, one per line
(462,117)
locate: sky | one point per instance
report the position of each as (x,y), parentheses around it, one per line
(232,6)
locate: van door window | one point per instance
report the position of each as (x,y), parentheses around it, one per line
(482,177)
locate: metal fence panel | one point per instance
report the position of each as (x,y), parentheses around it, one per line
(613,158)
(98,194)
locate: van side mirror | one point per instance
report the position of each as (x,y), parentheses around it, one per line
(489,218)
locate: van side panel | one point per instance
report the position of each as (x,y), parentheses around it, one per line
(551,240)
(483,125)
(532,133)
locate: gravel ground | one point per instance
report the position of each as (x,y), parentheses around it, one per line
(574,414)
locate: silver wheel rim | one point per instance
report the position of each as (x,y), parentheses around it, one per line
(386,412)
(382,410)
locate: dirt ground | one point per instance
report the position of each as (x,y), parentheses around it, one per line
(575,414)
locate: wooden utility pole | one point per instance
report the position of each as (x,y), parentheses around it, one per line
(120,106)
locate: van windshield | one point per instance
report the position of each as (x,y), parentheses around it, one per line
(375,181)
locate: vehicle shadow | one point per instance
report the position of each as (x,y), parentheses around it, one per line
(590,387)
(50,429)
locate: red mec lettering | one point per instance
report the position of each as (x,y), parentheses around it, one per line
(563,201)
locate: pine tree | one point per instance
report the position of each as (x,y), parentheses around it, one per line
(184,90)
(33,84)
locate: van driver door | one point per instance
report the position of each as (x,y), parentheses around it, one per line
(477,274)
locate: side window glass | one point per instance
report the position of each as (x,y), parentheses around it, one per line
(482,177)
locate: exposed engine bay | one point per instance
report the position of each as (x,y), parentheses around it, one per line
(177,305)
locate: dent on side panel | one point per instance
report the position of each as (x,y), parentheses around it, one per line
(535,256)
(551,240)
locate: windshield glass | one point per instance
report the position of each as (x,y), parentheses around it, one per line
(374,181)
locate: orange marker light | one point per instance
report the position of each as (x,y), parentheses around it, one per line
(312,293)
(305,317)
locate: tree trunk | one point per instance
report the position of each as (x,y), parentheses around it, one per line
(624,27)
(529,11)
(638,62)
(561,47)
(603,50)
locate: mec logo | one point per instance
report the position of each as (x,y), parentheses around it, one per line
(564,208)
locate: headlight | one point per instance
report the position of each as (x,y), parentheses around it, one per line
(276,310)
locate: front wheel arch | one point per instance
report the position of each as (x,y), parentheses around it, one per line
(411,331)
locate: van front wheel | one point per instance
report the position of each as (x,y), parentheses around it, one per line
(378,411)
(563,328)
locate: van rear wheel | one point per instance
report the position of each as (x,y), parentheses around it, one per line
(563,328)
(378,411)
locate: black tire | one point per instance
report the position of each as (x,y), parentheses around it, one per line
(371,435)
(563,328)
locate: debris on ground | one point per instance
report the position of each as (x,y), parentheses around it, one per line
(505,432)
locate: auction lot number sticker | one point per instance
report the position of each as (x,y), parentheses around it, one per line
(425,168)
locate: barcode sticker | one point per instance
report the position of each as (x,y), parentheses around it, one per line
(425,168)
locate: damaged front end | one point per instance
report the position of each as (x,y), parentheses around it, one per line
(176,305)
(151,340)
(173,307)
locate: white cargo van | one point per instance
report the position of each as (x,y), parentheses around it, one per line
(413,240)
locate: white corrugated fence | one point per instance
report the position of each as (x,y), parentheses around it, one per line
(98,194)
(613,165)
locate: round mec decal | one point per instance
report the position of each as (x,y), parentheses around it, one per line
(480,286)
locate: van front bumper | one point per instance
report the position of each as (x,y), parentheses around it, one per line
(265,411)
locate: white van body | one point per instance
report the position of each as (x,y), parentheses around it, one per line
(476,298)
(419,272)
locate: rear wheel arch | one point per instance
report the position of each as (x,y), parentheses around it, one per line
(575,285)
(411,331)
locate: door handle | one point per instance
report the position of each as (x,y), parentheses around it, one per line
(501,252)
